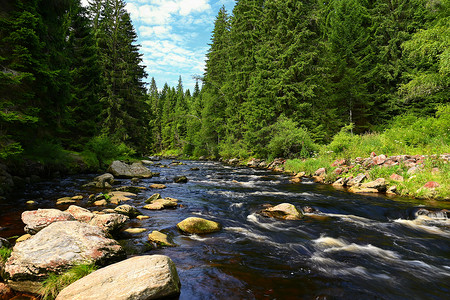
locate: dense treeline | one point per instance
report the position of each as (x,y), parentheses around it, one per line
(281,76)
(70,77)
(284,75)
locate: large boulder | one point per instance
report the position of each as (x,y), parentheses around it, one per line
(58,247)
(36,220)
(137,278)
(198,226)
(284,211)
(123,170)
(109,223)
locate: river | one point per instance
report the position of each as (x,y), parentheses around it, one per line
(359,247)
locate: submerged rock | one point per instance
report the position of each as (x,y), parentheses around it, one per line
(283,211)
(137,278)
(198,226)
(135,230)
(158,186)
(439,214)
(180,179)
(58,247)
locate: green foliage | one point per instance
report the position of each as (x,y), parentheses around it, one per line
(48,153)
(56,283)
(309,166)
(288,140)
(101,150)
(234,149)
(5,253)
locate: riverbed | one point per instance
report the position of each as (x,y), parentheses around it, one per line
(357,247)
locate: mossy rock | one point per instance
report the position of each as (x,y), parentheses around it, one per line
(198,226)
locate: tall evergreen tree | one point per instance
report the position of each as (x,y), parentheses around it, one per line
(85,76)
(124,96)
(217,66)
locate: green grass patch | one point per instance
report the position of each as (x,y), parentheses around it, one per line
(54,284)
(5,253)
(309,166)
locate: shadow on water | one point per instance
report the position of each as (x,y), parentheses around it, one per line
(359,247)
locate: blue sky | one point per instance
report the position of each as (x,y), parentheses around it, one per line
(174,36)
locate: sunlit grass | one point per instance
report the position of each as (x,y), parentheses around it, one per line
(54,284)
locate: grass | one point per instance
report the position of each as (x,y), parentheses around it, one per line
(5,253)
(55,283)
(309,166)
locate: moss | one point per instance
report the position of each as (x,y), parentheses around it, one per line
(198,226)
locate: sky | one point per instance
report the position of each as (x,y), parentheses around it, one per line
(174,36)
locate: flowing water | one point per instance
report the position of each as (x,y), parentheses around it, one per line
(359,247)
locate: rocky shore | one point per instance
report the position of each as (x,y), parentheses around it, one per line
(357,175)
(57,240)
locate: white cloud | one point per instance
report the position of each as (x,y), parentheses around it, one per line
(172,35)
(160,12)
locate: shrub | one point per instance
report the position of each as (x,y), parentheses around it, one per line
(56,283)
(343,140)
(288,140)
(230,148)
(101,150)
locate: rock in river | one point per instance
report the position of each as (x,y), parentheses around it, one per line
(123,170)
(198,226)
(284,211)
(58,247)
(137,278)
(160,239)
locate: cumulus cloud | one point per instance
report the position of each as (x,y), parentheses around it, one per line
(174,36)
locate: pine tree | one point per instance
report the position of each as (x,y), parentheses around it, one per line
(349,49)
(85,76)
(123,99)
(214,100)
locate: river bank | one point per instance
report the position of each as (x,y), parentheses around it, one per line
(417,176)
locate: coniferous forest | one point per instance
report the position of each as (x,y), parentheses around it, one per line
(281,77)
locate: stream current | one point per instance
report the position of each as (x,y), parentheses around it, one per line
(359,247)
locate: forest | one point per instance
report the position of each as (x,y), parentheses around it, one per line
(282,78)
